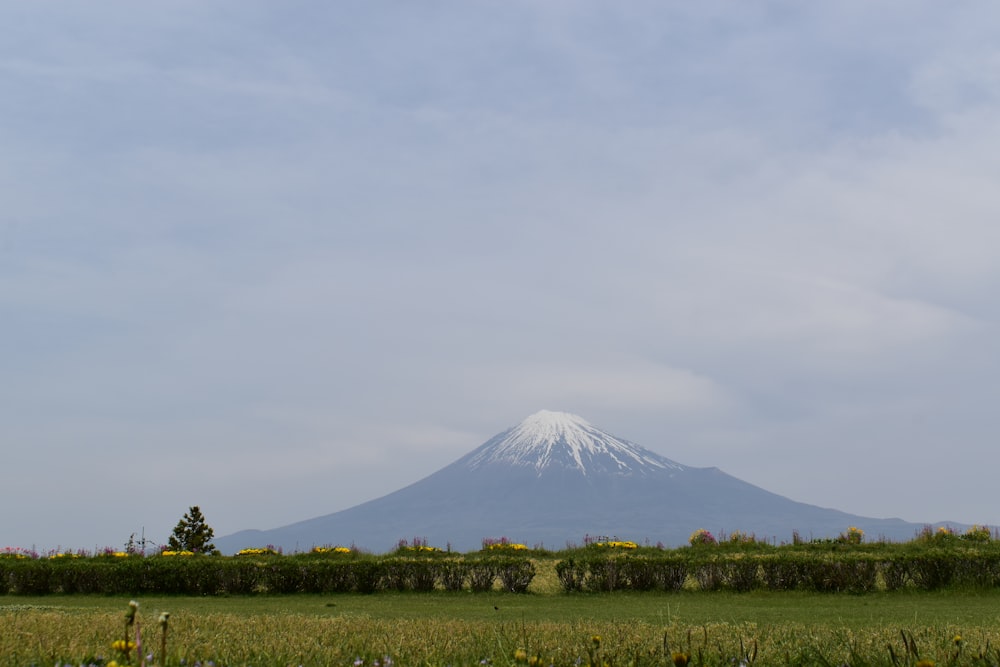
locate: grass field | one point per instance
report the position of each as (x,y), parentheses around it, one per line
(535,629)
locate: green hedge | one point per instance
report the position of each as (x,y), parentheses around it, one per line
(217,575)
(853,569)
(827,567)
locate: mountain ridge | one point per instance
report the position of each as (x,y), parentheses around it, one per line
(554,478)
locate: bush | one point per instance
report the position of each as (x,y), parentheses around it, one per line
(482,575)
(740,573)
(516,574)
(604,574)
(453,574)
(782,572)
(571,574)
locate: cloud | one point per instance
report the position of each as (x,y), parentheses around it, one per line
(336,249)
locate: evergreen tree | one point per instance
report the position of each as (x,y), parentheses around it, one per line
(192,533)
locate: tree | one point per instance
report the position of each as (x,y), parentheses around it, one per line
(192,533)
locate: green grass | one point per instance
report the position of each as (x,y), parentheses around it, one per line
(850,611)
(464,628)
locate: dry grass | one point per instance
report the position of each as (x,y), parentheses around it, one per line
(267,631)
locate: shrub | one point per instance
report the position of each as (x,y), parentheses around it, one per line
(604,574)
(671,573)
(931,569)
(482,575)
(516,574)
(571,574)
(453,574)
(639,574)
(740,573)
(976,534)
(895,573)
(701,537)
(782,572)
(709,574)
(842,574)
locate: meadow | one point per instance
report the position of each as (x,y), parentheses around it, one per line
(461,628)
(840,602)
(544,626)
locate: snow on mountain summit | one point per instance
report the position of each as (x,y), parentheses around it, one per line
(549,439)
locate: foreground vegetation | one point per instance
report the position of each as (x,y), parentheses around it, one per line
(933,561)
(932,601)
(449,628)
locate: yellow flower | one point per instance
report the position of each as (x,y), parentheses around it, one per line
(520,656)
(331,550)
(507,546)
(680,659)
(958,640)
(926,662)
(597,641)
(122,645)
(257,551)
(534,661)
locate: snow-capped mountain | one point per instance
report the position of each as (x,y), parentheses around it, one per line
(549,439)
(553,479)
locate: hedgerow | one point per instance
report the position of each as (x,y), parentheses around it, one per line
(826,567)
(740,563)
(263,573)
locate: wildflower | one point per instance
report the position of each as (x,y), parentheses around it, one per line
(977,534)
(680,659)
(701,536)
(520,656)
(507,546)
(257,551)
(133,607)
(616,544)
(925,662)
(596,639)
(957,640)
(122,645)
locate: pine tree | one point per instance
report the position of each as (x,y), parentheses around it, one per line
(192,533)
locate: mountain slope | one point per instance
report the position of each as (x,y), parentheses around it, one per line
(553,479)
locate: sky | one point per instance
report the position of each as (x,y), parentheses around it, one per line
(277,259)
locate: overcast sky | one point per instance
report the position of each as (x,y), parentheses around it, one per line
(276,259)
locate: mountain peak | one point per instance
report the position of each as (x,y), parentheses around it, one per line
(549,426)
(561,440)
